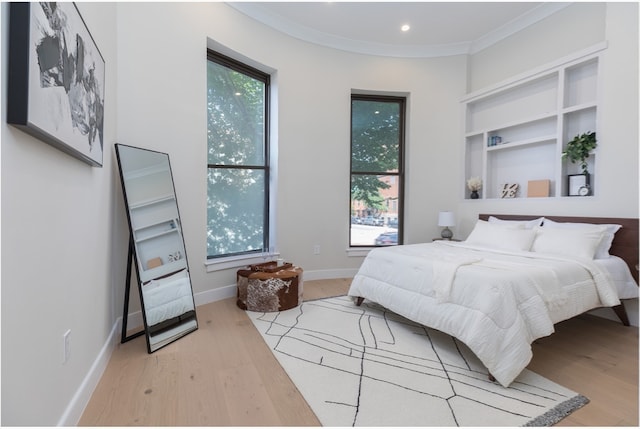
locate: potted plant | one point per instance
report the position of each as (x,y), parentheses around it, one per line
(579,149)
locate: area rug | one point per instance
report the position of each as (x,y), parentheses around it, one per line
(366,366)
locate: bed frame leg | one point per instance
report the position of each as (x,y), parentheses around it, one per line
(359,300)
(621,312)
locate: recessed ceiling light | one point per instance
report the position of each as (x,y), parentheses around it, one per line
(405,27)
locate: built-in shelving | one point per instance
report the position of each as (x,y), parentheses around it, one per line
(516,132)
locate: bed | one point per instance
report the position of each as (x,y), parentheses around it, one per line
(508,283)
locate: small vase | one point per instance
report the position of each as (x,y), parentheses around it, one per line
(474,195)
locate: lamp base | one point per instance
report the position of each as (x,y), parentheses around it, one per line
(446,233)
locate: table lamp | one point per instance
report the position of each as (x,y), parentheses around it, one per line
(446,219)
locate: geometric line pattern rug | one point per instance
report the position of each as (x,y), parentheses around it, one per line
(367,366)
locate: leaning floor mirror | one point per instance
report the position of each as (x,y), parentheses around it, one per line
(156,248)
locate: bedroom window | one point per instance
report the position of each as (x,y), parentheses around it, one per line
(377,170)
(237,158)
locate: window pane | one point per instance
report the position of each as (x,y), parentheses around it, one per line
(375,136)
(235,211)
(374,210)
(236,117)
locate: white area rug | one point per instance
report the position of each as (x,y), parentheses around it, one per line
(366,366)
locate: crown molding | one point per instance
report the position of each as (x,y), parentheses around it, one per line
(307,34)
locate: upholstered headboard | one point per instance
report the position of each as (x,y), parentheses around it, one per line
(625,242)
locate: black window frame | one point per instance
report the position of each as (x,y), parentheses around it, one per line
(402,101)
(265,78)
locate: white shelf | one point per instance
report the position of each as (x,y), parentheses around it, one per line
(525,121)
(580,107)
(150,202)
(162,270)
(533,117)
(526,142)
(153,235)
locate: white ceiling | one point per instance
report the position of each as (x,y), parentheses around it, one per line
(437,28)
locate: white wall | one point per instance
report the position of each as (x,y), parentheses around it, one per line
(64,236)
(57,229)
(574,28)
(162,99)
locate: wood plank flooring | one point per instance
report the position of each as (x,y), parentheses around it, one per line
(223,374)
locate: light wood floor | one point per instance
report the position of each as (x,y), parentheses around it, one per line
(223,374)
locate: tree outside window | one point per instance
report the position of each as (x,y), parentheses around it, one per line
(377,173)
(237,158)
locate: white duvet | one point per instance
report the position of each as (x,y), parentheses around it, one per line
(496,302)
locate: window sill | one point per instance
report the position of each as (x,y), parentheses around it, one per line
(358,251)
(238,261)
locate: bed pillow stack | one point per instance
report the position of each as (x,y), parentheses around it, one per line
(582,240)
(587,240)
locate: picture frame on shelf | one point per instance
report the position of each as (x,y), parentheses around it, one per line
(56,79)
(577,183)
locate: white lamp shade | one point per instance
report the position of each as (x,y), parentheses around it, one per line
(446,219)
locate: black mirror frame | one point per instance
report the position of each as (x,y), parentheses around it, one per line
(189,317)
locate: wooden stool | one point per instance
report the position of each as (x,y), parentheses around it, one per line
(268,287)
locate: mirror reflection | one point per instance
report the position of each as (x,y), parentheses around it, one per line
(158,247)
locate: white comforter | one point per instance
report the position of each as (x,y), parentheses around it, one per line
(496,302)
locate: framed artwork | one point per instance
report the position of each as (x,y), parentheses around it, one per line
(56,79)
(578,185)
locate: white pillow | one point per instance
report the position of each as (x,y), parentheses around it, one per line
(529,224)
(603,248)
(501,236)
(578,242)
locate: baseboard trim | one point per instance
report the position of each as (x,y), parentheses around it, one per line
(229,291)
(78,403)
(74,410)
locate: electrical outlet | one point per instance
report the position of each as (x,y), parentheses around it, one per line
(66,353)
(316,249)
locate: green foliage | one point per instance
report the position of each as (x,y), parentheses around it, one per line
(235,135)
(579,149)
(375,149)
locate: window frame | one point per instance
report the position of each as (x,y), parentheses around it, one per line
(231,260)
(355,250)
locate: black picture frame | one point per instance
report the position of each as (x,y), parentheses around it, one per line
(575,182)
(56,79)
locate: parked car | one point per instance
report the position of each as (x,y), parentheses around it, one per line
(372,220)
(387,239)
(393,223)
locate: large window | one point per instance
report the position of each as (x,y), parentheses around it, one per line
(238,158)
(377,170)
